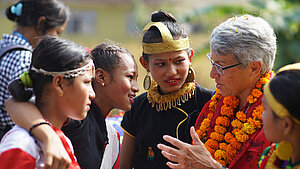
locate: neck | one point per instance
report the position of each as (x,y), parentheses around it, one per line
(52,113)
(242,96)
(30,33)
(102,102)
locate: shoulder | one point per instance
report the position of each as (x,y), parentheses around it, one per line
(19,138)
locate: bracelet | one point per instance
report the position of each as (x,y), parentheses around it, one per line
(38,124)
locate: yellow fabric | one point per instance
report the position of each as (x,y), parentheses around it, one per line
(168,44)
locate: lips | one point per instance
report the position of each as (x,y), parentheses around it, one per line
(172,81)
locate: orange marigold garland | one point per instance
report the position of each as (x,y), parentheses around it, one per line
(221,143)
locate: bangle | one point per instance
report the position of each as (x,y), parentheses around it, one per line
(38,124)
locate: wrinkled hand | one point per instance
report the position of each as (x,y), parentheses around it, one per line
(188,156)
(56,157)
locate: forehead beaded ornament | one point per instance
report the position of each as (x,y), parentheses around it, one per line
(70,73)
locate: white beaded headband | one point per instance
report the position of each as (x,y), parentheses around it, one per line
(70,73)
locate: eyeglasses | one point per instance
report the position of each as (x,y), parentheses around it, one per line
(220,69)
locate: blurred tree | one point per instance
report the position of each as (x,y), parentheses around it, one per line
(284,16)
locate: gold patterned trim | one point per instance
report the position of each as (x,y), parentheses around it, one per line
(165,102)
(167,44)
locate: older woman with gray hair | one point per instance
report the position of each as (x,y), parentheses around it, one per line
(228,132)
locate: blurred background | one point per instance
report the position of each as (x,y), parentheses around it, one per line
(121,21)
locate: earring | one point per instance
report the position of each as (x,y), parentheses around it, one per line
(284,150)
(102,84)
(191,75)
(60,93)
(147,81)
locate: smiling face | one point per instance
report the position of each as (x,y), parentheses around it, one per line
(77,96)
(121,88)
(235,81)
(169,70)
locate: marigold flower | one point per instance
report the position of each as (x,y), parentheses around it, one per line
(258,112)
(254,123)
(223,163)
(210,115)
(216,136)
(223,146)
(220,155)
(237,124)
(235,144)
(228,137)
(264,80)
(231,101)
(226,111)
(251,99)
(220,129)
(212,106)
(258,84)
(241,116)
(212,151)
(231,151)
(223,120)
(212,143)
(241,137)
(248,128)
(256,93)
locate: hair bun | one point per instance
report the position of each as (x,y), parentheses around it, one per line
(162,16)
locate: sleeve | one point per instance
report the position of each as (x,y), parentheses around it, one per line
(22,63)
(15,159)
(128,124)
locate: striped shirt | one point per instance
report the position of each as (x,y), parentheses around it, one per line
(12,65)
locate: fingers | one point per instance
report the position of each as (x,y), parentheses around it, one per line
(172,165)
(168,149)
(175,142)
(195,136)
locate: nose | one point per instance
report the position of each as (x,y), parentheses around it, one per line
(213,73)
(172,70)
(135,86)
(91,93)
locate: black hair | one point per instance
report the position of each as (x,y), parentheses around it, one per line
(285,87)
(51,54)
(107,56)
(55,12)
(152,35)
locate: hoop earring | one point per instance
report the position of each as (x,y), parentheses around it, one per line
(147,81)
(284,150)
(191,75)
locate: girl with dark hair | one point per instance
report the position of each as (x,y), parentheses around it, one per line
(173,100)
(34,18)
(96,143)
(60,75)
(281,119)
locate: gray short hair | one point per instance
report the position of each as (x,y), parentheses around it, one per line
(247,38)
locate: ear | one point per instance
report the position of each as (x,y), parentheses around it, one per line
(58,84)
(191,55)
(144,63)
(288,125)
(100,76)
(255,68)
(40,25)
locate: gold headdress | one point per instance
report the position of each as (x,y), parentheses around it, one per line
(167,44)
(278,108)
